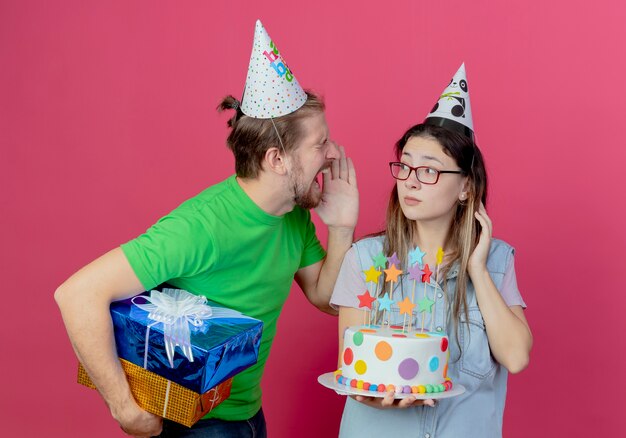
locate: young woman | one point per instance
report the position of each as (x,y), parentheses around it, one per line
(439,202)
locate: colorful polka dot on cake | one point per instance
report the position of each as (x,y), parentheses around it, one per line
(360,367)
(383,350)
(348,356)
(408,368)
(433,364)
(357,338)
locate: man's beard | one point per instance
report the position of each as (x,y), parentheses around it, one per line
(304,197)
(308,199)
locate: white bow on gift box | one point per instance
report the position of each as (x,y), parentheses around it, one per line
(178,309)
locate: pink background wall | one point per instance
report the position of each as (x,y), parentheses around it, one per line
(107,122)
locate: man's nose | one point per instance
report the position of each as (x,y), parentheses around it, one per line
(333,152)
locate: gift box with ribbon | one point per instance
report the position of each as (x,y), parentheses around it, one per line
(216,343)
(164,398)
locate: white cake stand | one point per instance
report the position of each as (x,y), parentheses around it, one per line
(328,380)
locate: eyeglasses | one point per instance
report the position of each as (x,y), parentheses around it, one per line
(424,174)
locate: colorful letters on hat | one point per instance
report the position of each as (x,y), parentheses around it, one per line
(271,88)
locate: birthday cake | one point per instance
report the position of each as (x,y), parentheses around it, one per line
(391,358)
(400,358)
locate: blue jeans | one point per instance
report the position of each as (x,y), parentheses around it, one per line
(213,428)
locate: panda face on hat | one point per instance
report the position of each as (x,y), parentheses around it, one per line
(453,106)
(456,98)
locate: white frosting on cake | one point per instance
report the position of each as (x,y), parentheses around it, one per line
(388,355)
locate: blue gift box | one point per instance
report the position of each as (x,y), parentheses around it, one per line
(221,346)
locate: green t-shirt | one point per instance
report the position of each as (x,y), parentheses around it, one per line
(220,244)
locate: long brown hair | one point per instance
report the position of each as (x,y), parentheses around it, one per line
(401,232)
(250,138)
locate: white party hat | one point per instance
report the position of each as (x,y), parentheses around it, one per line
(453,110)
(271,88)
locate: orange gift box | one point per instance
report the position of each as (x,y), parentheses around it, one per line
(165,398)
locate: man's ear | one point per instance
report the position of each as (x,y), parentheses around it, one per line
(274,161)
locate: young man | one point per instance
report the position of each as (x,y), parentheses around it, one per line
(240,243)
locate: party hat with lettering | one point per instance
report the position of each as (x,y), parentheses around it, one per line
(453,110)
(271,88)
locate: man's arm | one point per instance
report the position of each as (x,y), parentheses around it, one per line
(84,300)
(318,280)
(339,210)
